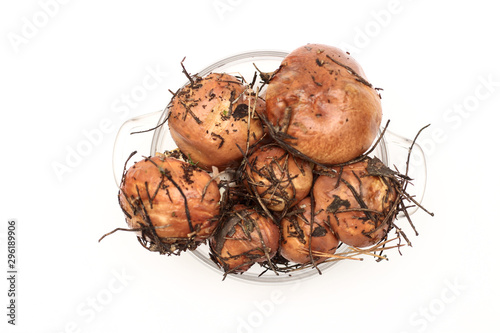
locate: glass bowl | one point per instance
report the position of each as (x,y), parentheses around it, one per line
(392,150)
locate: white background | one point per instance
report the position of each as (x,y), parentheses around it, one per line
(65,68)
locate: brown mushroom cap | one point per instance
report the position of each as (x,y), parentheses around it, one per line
(320,97)
(168,194)
(296,235)
(358,204)
(210,118)
(278,177)
(241,238)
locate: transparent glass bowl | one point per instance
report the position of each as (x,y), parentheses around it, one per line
(392,150)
